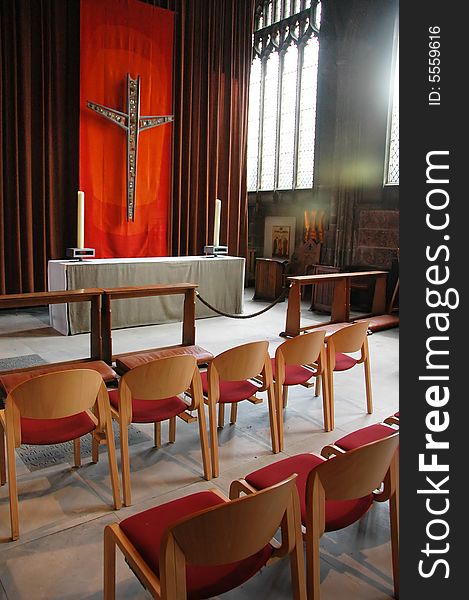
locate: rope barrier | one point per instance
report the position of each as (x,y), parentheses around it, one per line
(256,314)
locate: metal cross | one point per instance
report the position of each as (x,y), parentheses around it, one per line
(133,124)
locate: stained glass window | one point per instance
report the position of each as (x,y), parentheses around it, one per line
(282,95)
(392,170)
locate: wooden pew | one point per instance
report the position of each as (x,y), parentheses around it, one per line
(11,378)
(128,360)
(340,312)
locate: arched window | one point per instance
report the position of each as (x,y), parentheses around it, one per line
(282,95)
(392,155)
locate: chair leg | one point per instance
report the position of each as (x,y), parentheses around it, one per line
(157,434)
(12,486)
(94,449)
(317,386)
(326,403)
(76,453)
(125,464)
(212,420)
(109,565)
(234,413)
(394,522)
(280,398)
(3,473)
(369,397)
(172,430)
(313,565)
(394,518)
(274,420)
(221,414)
(330,393)
(204,442)
(285,396)
(112,460)
(297,560)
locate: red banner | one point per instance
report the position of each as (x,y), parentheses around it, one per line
(120,37)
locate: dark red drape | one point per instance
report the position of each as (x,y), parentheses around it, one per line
(211,81)
(39,84)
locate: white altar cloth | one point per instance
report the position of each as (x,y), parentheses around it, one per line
(220,280)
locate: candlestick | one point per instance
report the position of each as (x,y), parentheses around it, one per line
(81,220)
(216,226)
(306,225)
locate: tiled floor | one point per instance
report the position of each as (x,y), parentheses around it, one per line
(63,511)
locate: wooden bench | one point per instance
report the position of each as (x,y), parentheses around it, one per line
(128,360)
(340,311)
(101,357)
(10,379)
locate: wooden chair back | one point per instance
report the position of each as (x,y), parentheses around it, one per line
(349,339)
(78,390)
(241,362)
(235,530)
(37,398)
(159,379)
(226,533)
(352,475)
(301,350)
(356,473)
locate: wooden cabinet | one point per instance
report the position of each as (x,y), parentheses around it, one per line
(269,278)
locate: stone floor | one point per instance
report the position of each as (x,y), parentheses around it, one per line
(63,511)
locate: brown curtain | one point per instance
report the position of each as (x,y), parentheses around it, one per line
(39,83)
(39,91)
(212,65)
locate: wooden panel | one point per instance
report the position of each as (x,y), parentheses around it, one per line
(269,278)
(322,294)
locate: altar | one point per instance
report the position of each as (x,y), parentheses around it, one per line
(220,281)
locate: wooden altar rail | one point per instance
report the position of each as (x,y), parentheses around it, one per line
(92,295)
(188,319)
(340,312)
(100,311)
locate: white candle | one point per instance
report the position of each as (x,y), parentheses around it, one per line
(81,220)
(216,226)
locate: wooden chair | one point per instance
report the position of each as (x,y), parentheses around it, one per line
(340,345)
(392,419)
(203,545)
(334,494)
(231,378)
(51,409)
(296,362)
(150,393)
(360,437)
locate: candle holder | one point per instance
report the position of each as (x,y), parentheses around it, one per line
(215,250)
(80,253)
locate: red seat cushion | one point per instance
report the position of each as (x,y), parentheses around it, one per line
(294,374)
(343,362)
(151,411)
(146,529)
(231,391)
(55,431)
(365,435)
(339,513)
(126,362)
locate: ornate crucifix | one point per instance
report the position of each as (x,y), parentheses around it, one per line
(133,124)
